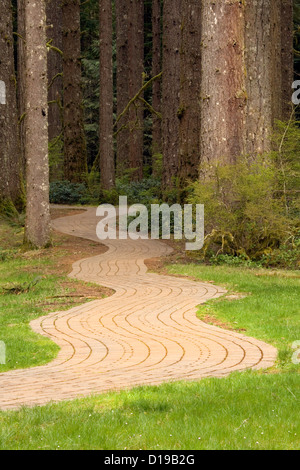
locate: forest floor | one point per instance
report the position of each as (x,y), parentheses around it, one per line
(246,410)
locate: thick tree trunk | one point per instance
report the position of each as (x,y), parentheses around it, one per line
(75,151)
(10,155)
(37,226)
(122,84)
(189,108)
(258,60)
(107,166)
(156,69)
(55,65)
(269,70)
(135,82)
(223,93)
(171,89)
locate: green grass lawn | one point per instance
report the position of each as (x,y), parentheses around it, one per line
(24,348)
(242,411)
(249,410)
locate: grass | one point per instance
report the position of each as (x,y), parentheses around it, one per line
(24,348)
(29,289)
(243,411)
(249,410)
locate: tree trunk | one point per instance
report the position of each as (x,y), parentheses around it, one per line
(170,89)
(21,80)
(156,69)
(10,156)
(75,151)
(55,65)
(37,226)
(223,93)
(189,109)
(107,166)
(135,82)
(122,84)
(276,59)
(287,57)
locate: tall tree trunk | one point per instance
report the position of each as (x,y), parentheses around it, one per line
(223,93)
(189,109)
(287,57)
(122,84)
(258,60)
(107,165)
(171,89)
(21,80)
(156,69)
(276,59)
(10,156)
(135,82)
(75,151)
(55,65)
(269,70)
(37,226)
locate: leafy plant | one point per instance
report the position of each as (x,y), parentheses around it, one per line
(64,192)
(252,206)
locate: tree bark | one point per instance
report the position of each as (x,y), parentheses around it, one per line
(287,57)
(55,66)
(107,165)
(37,225)
(156,69)
(258,60)
(21,80)
(75,151)
(10,155)
(122,84)
(190,82)
(223,92)
(170,89)
(135,82)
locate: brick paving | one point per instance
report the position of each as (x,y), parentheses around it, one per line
(147,333)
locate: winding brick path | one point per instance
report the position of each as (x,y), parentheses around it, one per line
(146,333)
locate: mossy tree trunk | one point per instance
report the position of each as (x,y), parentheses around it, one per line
(37,225)
(106,150)
(122,139)
(75,151)
(287,57)
(190,82)
(21,79)
(55,65)
(156,69)
(10,153)
(171,89)
(135,82)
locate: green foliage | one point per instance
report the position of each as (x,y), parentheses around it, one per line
(7,208)
(252,206)
(64,192)
(147,191)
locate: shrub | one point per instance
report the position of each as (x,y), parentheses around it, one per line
(245,211)
(64,192)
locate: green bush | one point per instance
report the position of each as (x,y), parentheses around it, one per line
(147,191)
(251,209)
(64,192)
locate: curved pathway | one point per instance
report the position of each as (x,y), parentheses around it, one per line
(146,333)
